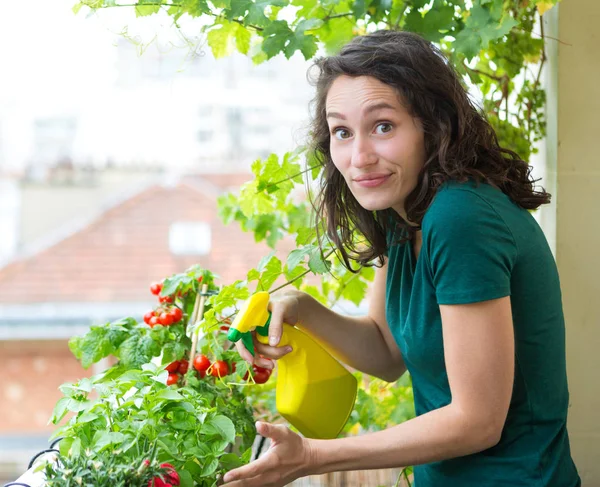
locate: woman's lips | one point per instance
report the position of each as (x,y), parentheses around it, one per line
(372,182)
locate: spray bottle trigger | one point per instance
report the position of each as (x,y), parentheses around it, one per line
(248,342)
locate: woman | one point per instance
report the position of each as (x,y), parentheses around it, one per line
(467,295)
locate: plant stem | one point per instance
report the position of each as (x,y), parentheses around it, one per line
(298,276)
(198,314)
(288,178)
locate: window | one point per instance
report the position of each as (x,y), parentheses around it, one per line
(190,238)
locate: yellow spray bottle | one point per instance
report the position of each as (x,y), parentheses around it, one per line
(314,392)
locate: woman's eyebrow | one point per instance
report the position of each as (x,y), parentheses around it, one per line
(369,109)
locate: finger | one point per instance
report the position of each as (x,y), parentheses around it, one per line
(276,432)
(244,353)
(276,325)
(259,359)
(272,352)
(253,469)
(270,480)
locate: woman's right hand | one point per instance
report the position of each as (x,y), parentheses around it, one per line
(284,309)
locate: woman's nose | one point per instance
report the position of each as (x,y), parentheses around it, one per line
(363,153)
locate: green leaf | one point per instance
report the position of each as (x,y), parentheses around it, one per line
(210,467)
(305,236)
(145,10)
(137,350)
(467,43)
(230,461)
(271,273)
(219,39)
(256,11)
(169,395)
(297,255)
(60,410)
(222,426)
(355,290)
(102,439)
(316,263)
(242,39)
(291,275)
(276,36)
(185,478)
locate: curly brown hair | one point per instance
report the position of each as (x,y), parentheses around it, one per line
(460,143)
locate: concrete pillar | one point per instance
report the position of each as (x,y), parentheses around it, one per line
(575,109)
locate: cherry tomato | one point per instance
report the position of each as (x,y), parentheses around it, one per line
(154,321)
(261,376)
(172,379)
(184,365)
(200,279)
(220,369)
(176,313)
(165,319)
(257,368)
(172,367)
(148,316)
(156,288)
(165,299)
(224,328)
(201,363)
(202,373)
(232,367)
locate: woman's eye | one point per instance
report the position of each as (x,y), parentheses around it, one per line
(341,133)
(387,128)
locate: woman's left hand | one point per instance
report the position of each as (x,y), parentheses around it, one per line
(288,458)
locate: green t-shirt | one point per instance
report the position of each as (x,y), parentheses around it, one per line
(479,245)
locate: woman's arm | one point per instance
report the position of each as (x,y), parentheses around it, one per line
(479,354)
(364,343)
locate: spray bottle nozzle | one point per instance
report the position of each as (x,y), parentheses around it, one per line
(253,316)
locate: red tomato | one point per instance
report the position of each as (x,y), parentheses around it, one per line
(156,288)
(165,319)
(220,369)
(261,376)
(154,321)
(176,314)
(172,379)
(172,367)
(233,367)
(165,299)
(200,279)
(184,365)
(224,328)
(257,368)
(201,363)
(202,373)
(148,316)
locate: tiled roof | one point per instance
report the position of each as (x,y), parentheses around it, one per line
(127,247)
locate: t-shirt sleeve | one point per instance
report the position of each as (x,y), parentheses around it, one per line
(470,248)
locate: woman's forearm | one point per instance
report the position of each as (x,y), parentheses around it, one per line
(356,341)
(438,435)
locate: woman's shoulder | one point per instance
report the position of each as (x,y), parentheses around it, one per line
(461,206)
(456,199)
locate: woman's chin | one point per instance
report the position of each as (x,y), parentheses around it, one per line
(374,205)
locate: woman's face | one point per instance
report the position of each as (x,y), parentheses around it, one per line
(375,143)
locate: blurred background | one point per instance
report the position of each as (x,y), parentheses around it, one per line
(111,162)
(110,165)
